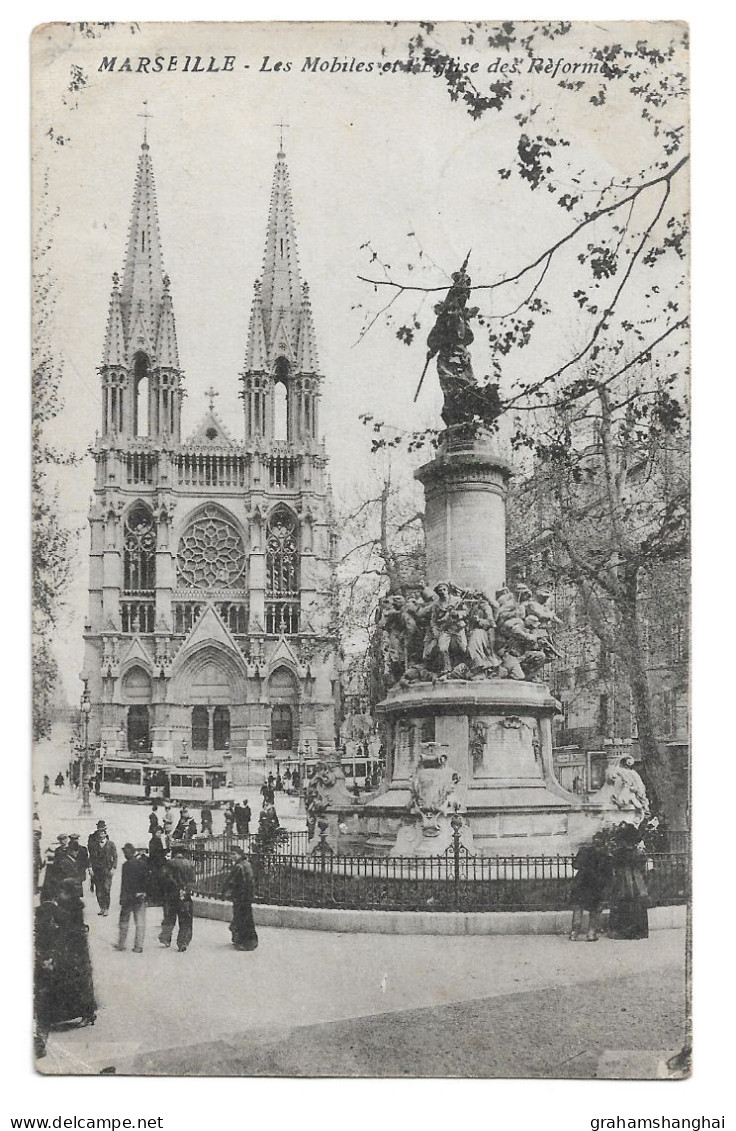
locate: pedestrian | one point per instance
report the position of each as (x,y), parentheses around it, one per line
(50,885)
(205,820)
(59,780)
(65,862)
(169,818)
(158,853)
(593,876)
(246,818)
(629,896)
(153,822)
(180,831)
(238,815)
(103,860)
(134,880)
(239,888)
(279,783)
(64,990)
(80,855)
(46,784)
(178,888)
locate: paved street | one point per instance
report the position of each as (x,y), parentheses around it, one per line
(319,1003)
(310,1002)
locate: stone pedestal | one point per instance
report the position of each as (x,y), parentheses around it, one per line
(465,510)
(494,734)
(497,736)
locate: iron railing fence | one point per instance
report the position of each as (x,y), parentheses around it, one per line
(290,842)
(454,882)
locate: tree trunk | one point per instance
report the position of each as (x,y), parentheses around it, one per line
(654,757)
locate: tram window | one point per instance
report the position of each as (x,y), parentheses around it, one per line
(360,769)
(122,775)
(176,779)
(198,783)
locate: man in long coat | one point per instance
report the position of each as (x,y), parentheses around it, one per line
(103,860)
(178,879)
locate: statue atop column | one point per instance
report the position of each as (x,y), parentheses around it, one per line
(465,399)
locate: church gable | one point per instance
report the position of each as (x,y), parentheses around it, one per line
(209,629)
(210,432)
(284,654)
(136,652)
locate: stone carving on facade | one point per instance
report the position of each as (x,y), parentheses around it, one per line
(628,789)
(465,400)
(433,810)
(477,738)
(325,791)
(109,662)
(447,633)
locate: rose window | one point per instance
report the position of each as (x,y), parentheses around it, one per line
(211,553)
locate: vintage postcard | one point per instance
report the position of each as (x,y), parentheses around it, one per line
(361,578)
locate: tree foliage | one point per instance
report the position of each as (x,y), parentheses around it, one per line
(594,415)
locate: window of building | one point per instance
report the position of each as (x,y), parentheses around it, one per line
(282,573)
(139,736)
(281,727)
(211,553)
(200,728)
(141,388)
(603,713)
(139,552)
(221,728)
(281,413)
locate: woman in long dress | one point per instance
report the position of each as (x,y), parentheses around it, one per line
(64,991)
(239,887)
(629,896)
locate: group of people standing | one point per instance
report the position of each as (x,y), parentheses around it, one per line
(164,876)
(613,870)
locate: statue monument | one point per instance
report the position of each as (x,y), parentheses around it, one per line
(464,657)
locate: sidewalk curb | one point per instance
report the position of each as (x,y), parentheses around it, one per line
(418,922)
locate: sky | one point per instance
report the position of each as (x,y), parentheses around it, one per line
(380,159)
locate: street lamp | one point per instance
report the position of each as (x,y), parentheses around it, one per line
(85,708)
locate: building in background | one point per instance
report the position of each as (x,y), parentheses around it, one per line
(209,640)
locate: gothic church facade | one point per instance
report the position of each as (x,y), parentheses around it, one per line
(208,639)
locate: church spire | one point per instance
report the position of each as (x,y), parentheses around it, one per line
(143,287)
(140,372)
(281,282)
(281,374)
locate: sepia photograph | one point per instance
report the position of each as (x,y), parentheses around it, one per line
(361,550)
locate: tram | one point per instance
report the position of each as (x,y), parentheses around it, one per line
(129,780)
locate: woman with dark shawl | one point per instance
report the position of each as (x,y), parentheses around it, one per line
(239,887)
(629,897)
(64,991)
(592,877)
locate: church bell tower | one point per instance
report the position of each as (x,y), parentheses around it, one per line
(210,638)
